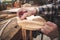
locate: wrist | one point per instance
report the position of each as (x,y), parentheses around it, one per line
(37,10)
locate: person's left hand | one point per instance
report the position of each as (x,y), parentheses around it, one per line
(26,11)
(50,29)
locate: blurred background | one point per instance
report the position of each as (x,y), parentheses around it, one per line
(6,4)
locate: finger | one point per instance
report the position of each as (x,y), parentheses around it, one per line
(18,12)
(24,16)
(51,24)
(27,14)
(21,12)
(45,30)
(49,28)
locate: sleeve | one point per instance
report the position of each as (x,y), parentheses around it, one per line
(44,8)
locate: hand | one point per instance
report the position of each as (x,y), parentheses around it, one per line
(26,11)
(50,29)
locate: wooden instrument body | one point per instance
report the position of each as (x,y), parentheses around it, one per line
(10,30)
(35,24)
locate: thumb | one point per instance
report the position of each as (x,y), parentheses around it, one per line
(24,16)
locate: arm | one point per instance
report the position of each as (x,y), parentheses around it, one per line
(48,8)
(50,29)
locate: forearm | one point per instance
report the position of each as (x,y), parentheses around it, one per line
(48,8)
(44,8)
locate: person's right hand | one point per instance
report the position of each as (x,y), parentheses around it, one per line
(26,11)
(50,29)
